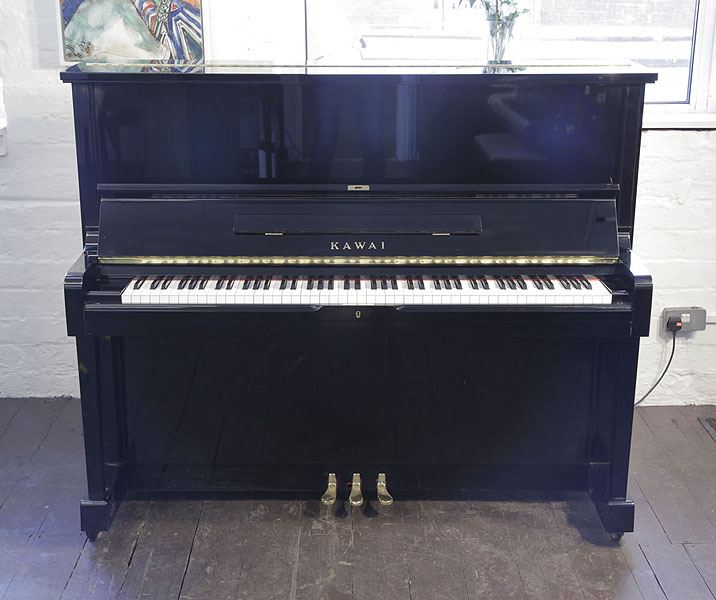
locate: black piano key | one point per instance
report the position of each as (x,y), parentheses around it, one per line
(383,283)
(510,282)
(436,282)
(156,282)
(500,282)
(184,281)
(203,281)
(565,283)
(409,280)
(575,283)
(346,283)
(421,283)
(456,282)
(394,283)
(247,282)
(230,282)
(537,282)
(220,282)
(194,281)
(483,282)
(267,283)
(330,282)
(309,285)
(320,282)
(446,283)
(140,282)
(473,282)
(520,282)
(257,282)
(284,283)
(357,282)
(585,282)
(547,282)
(373,283)
(294,283)
(167,282)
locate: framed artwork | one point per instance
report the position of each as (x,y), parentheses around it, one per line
(132,29)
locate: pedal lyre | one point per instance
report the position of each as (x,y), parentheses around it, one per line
(384,496)
(331,491)
(356,496)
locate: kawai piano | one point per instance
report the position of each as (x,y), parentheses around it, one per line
(357,285)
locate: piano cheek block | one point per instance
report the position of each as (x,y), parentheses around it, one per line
(451,311)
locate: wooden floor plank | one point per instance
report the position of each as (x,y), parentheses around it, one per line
(24,435)
(704,411)
(325,568)
(26,508)
(543,559)
(41,537)
(159,561)
(434,568)
(641,570)
(704,558)
(379,563)
(647,527)
(217,559)
(602,572)
(677,575)
(692,456)
(102,565)
(479,531)
(663,484)
(51,553)
(244,549)
(59,460)
(8,409)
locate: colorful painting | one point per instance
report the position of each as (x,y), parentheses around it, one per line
(132,29)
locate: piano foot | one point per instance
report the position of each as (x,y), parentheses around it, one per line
(356,496)
(384,497)
(97,515)
(329,497)
(617,535)
(616,515)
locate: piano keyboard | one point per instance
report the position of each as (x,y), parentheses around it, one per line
(367,290)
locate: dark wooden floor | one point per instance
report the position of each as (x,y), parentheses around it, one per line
(512,548)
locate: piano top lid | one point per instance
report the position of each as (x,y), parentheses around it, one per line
(143,70)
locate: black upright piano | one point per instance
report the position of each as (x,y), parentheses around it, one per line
(415,282)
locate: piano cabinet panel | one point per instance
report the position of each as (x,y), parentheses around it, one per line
(441,415)
(613,320)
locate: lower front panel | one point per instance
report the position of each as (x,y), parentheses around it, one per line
(274,414)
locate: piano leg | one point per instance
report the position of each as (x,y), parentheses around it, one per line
(609,469)
(98,361)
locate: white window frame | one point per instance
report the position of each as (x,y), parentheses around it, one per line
(700,111)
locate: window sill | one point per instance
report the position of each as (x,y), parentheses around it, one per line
(656,119)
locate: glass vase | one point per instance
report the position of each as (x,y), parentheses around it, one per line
(498,39)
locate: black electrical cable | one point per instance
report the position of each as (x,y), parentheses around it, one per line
(668,364)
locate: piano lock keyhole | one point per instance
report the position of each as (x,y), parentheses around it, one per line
(358,314)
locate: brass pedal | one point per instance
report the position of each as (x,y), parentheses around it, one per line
(329,497)
(356,496)
(384,496)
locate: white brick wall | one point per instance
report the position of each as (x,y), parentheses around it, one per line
(40,231)
(676,239)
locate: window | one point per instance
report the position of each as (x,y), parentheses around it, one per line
(673,37)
